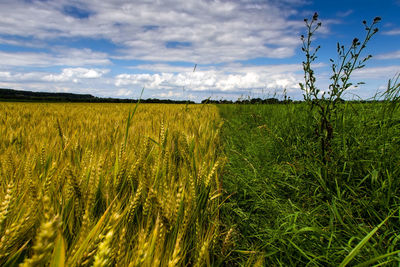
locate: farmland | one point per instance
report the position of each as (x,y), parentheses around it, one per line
(197,185)
(81,186)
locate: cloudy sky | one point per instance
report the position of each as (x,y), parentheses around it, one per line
(114,48)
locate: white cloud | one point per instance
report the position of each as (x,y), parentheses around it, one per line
(391,55)
(158,33)
(67,75)
(205,31)
(5,74)
(229,83)
(213,80)
(20,76)
(169,94)
(124,92)
(74,74)
(268,69)
(60,57)
(345,13)
(231,79)
(162,68)
(385,73)
(392,32)
(11,41)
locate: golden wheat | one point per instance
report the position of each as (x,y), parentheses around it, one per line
(67,174)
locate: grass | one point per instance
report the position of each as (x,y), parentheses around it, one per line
(293,209)
(83,186)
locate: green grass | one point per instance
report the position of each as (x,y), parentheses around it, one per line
(292,209)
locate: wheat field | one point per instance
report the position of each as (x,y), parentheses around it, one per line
(81,185)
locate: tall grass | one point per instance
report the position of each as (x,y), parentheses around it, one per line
(280,204)
(74,191)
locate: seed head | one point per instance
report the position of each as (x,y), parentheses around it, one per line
(377,19)
(315,17)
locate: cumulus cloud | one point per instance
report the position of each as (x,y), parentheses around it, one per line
(213,80)
(123,92)
(74,74)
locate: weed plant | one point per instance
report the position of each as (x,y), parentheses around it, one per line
(326,101)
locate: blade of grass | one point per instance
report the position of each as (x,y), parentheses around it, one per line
(130,116)
(369,262)
(301,251)
(357,248)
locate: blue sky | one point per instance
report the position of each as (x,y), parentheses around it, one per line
(114,48)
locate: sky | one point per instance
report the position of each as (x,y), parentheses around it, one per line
(192,49)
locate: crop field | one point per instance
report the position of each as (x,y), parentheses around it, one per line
(198,185)
(82,186)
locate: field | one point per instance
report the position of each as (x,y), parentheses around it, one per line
(82,186)
(295,209)
(197,185)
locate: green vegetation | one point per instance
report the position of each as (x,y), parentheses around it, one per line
(326,101)
(315,183)
(303,184)
(280,204)
(72,192)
